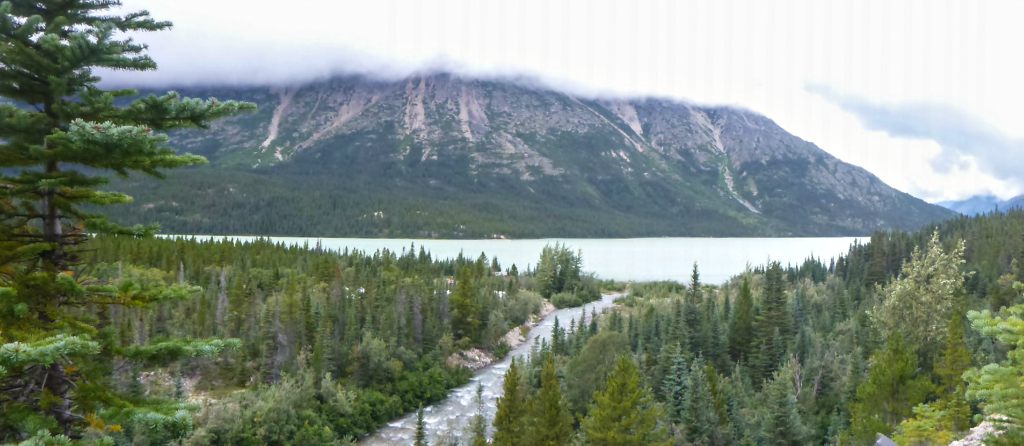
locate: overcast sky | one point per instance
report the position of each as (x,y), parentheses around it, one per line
(925,94)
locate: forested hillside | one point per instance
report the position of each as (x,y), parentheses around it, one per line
(915,336)
(447,156)
(347,341)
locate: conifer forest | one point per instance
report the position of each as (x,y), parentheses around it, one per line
(121,334)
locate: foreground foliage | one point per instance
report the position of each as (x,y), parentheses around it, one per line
(60,135)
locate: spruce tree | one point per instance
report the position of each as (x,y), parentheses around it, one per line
(741,327)
(624,413)
(1000,386)
(700,420)
(421,429)
(550,421)
(60,135)
(695,322)
(510,427)
(478,425)
(557,338)
(466,321)
(954,362)
(782,424)
(674,387)
(892,388)
(772,325)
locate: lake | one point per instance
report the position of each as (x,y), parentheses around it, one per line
(633,259)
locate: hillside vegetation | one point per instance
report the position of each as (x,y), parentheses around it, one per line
(439,155)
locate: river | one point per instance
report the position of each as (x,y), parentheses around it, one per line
(453,414)
(638,259)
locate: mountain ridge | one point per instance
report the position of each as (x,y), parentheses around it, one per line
(649,166)
(982,204)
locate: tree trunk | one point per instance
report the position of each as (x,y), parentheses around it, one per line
(52,231)
(58,384)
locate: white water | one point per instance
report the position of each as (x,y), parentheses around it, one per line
(451,416)
(641,259)
(637,259)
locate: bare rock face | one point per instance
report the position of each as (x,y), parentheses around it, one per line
(978,434)
(657,166)
(473,359)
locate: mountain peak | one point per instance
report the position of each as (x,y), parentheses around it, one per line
(634,166)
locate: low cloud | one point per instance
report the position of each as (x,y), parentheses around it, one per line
(963,138)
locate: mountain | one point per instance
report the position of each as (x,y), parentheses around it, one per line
(983,204)
(446,156)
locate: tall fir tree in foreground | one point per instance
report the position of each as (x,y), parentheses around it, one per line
(1000,386)
(624,413)
(781,424)
(893,387)
(478,425)
(551,423)
(772,325)
(947,418)
(59,134)
(741,327)
(510,420)
(698,415)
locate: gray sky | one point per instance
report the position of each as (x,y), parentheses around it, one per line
(925,94)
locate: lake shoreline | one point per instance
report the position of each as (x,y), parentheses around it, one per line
(622,260)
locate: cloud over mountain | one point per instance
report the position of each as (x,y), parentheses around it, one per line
(963,138)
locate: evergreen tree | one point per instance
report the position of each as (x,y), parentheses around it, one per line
(695,292)
(466,311)
(589,369)
(892,388)
(421,429)
(741,327)
(1000,386)
(772,324)
(782,425)
(60,133)
(557,338)
(930,425)
(674,387)
(695,322)
(699,418)
(510,427)
(551,424)
(624,414)
(713,334)
(478,425)
(954,362)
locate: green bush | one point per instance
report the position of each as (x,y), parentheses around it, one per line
(565,300)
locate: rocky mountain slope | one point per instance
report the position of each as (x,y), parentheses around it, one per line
(440,155)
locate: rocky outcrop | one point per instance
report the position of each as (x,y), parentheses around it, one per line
(978,434)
